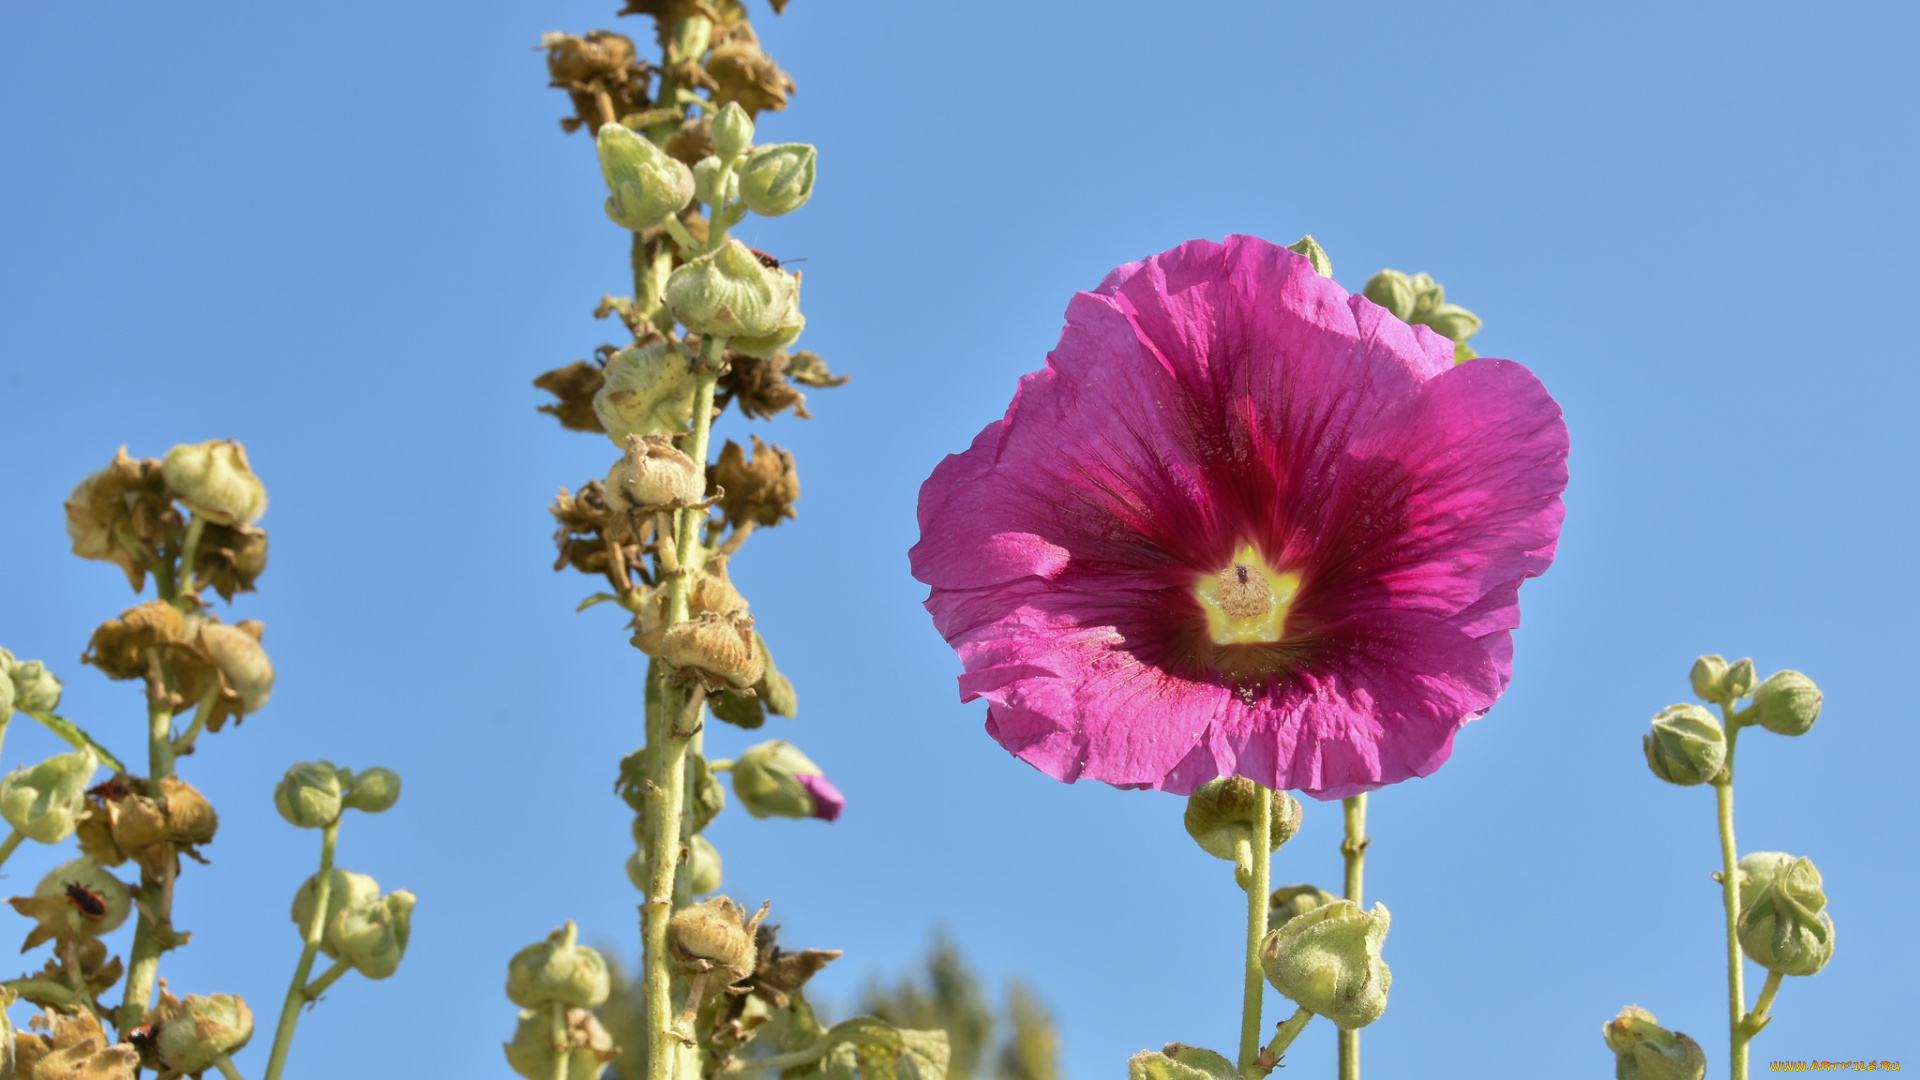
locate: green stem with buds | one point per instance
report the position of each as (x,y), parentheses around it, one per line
(327,978)
(311,934)
(7,848)
(1730,892)
(1259,885)
(143,958)
(184,743)
(189,551)
(1762,1009)
(1354,849)
(1269,1059)
(558,1012)
(668,795)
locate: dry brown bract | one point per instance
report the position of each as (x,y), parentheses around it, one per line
(763,387)
(602,63)
(150,830)
(742,73)
(575,386)
(230,558)
(125,515)
(77,1048)
(588,526)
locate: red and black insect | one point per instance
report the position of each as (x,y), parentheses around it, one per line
(141,1038)
(86,901)
(769,261)
(112,791)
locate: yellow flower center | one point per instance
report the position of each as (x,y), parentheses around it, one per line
(1247,602)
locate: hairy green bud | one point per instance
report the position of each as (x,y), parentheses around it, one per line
(1708,673)
(646,391)
(728,293)
(1686,746)
(1328,960)
(1643,1050)
(1314,253)
(1787,703)
(586,1044)
(777,179)
(1178,1061)
(44,800)
(215,481)
(648,185)
(201,1031)
(26,684)
(373,936)
(1757,870)
(310,795)
(558,969)
(373,791)
(1222,812)
(345,889)
(1786,928)
(1292,901)
(774,779)
(732,131)
(1392,290)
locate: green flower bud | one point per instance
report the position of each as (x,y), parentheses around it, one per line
(1739,681)
(89,901)
(43,801)
(1786,928)
(1392,290)
(1646,1051)
(1454,322)
(245,670)
(1686,747)
(587,1045)
(646,391)
(777,179)
(732,131)
(28,684)
(714,183)
(373,791)
(1428,296)
(1315,254)
(1708,675)
(1222,812)
(345,889)
(774,779)
(310,795)
(728,293)
(1757,870)
(1179,1061)
(373,936)
(1293,901)
(762,346)
(215,481)
(702,869)
(202,1030)
(1328,960)
(648,186)
(1787,703)
(558,969)
(6,697)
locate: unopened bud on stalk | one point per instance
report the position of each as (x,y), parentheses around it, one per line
(586,1044)
(1314,253)
(215,481)
(774,779)
(1740,680)
(310,795)
(646,391)
(345,889)
(1786,927)
(648,186)
(373,791)
(732,131)
(777,179)
(1646,1051)
(246,674)
(43,801)
(1223,811)
(652,474)
(1328,960)
(28,685)
(1392,290)
(1178,1061)
(728,293)
(702,869)
(1708,673)
(714,183)
(201,1031)
(373,936)
(715,934)
(1686,747)
(1787,703)
(558,969)
(1757,871)
(1292,901)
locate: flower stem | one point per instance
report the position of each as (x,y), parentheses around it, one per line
(1730,894)
(1763,1008)
(184,743)
(668,795)
(1269,1059)
(311,933)
(189,551)
(780,1061)
(7,847)
(327,978)
(561,1056)
(1259,884)
(143,957)
(1354,848)
(226,1068)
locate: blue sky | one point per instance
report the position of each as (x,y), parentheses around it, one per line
(350,234)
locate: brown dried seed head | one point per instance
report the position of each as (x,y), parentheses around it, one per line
(720,645)
(230,558)
(716,934)
(575,386)
(131,646)
(653,474)
(123,514)
(763,489)
(578,60)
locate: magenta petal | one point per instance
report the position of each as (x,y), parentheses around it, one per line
(1208,398)
(827,800)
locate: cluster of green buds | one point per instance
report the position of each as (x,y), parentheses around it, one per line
(1688,744)
(362,927)
(1419,300)
(558,983)
(313,794)
(26,686)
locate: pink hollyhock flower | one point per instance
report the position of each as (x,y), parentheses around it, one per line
(1243,523)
